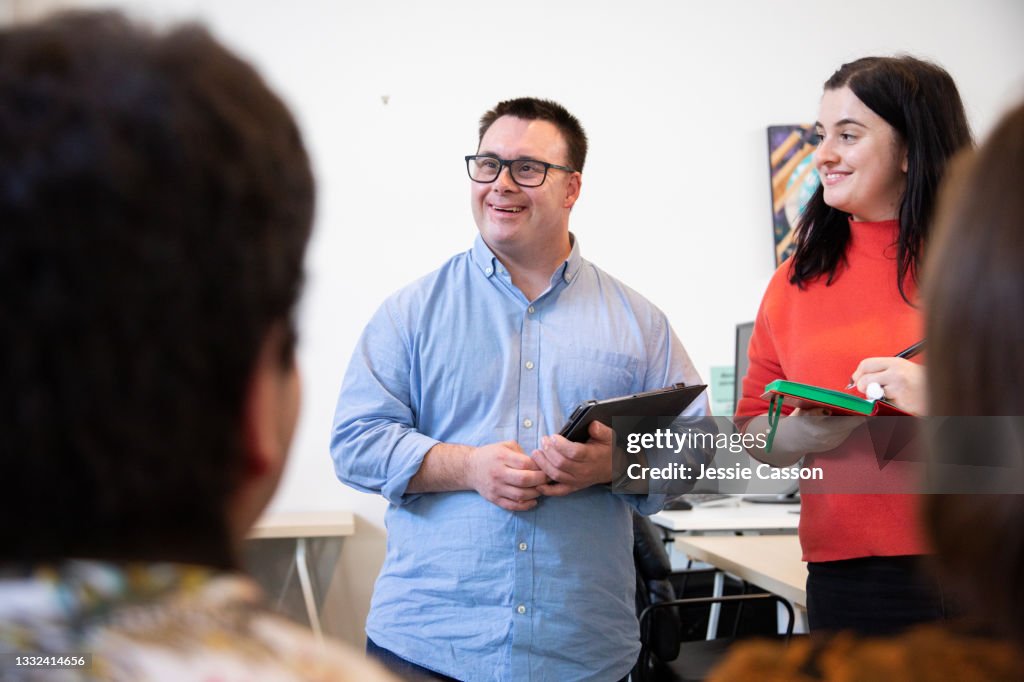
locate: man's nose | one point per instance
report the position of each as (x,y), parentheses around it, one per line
(504,181)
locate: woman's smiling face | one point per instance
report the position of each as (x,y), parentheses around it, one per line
(861,159)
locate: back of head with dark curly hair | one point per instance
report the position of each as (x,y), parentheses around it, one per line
(155,204)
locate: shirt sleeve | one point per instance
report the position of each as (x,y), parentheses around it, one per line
(764,365)
(374,442)
(668,363)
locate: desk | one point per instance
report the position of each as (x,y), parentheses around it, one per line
(745,516)
(771,562)
(301,526)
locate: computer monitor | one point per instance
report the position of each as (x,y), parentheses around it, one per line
(743,332)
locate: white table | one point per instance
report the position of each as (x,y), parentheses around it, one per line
(732,520)
(302,526)
(737,518)
(772,562)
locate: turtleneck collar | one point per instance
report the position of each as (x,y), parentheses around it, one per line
(875,239)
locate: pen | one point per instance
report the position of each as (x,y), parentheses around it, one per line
(906,354)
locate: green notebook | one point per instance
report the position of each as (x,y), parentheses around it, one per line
(781,392)
(808,397)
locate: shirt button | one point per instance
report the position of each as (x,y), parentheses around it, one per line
(529,364)
(522,546)
(530,310)
(527,423)
(521,609)
(489,271)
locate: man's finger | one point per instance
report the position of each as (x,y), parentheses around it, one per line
(513,505)
(600,432)
(545,465)
(517,460)
(521,478)
(557,467)
(517,494)
(558,453)
(556,489)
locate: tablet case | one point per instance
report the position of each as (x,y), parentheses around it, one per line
(663,402)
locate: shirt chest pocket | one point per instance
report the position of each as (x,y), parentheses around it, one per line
(581,373)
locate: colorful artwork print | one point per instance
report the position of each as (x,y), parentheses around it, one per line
(794,179)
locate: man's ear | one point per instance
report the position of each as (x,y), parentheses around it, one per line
(572,189)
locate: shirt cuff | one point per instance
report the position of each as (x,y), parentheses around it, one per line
(410,452)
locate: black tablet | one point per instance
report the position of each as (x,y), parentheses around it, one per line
(664,402)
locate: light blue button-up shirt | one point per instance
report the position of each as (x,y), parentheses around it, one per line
(461,356)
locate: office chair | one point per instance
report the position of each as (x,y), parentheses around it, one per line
(667,622)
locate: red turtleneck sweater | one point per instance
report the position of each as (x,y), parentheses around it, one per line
(818,335)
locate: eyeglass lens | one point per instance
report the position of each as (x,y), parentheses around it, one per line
(526,172)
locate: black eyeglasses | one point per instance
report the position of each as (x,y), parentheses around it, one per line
(525,172)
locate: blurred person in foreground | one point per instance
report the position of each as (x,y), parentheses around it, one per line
(155,204)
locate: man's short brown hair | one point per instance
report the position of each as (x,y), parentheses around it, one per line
(533,109)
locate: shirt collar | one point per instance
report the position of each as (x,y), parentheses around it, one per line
(484,257)
(573,263)
(489,263)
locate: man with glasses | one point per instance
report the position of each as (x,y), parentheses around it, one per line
(508,555)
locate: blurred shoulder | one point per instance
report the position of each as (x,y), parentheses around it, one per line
(924,653)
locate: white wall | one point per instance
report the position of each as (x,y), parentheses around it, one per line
(675,97)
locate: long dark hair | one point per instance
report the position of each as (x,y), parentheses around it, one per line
(920,101)
(974,282)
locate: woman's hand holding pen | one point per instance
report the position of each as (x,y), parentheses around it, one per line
(902,381)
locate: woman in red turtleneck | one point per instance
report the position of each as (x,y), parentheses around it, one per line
(842,306)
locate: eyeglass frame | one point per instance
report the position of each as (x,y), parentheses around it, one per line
(507,163)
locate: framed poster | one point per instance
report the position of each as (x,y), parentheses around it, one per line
(794,179)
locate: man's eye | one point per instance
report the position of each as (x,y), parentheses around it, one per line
(529,168)
(487,164)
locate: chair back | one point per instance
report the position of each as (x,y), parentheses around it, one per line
(653,566)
